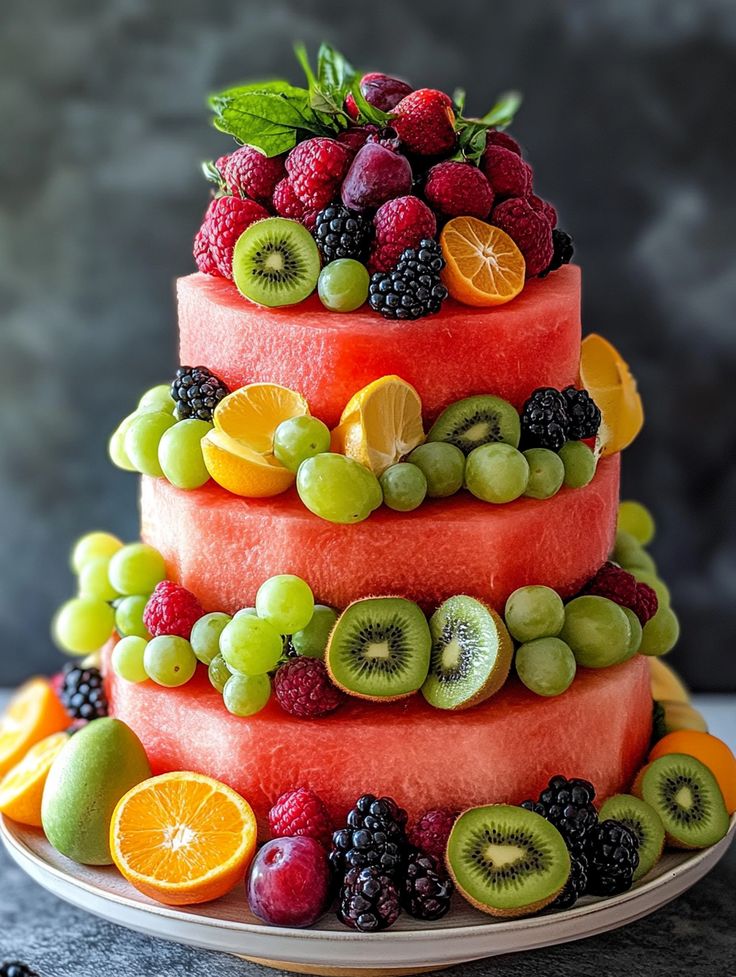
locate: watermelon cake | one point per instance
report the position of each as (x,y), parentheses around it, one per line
(387,614)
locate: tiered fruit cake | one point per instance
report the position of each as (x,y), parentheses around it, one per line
(384,576)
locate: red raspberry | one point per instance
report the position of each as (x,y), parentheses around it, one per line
(544,208)
(172,609)
(224,222)
(458,188)
(431,832)
(248,173)
(497,137)
(300,812)
(287,204)
(622,588)
(529,230)
(647,602)
(202,254)
(507,172)
(316,168)
(399,224)
(356,136)
(425,122)
(303,688)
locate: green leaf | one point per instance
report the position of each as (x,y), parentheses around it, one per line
(302,57)
(458,97)
(335,74)
(503,112)
(211,173)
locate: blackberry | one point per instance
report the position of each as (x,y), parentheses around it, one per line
(577,885)
(568,805)
(342,233)
(563,251)
(368,900)
(14,968)
(545,420)
(425,889)
(82,693)
(613,857)
(584,414)
(196,392)
(413,288)
(375,835)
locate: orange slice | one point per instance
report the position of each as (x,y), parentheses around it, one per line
(33,713)
(21,789)
(182,838)
(483,265)
(252,414)
(242,471)
(606,376)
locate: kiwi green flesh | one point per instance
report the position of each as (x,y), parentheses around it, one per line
(646,824)
(475,421)
(276,262)
(471,654)
(507,860)
(379,648)
(686,795)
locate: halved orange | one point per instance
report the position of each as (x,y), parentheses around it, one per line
(252,413)
(183,838)
(241,470)
(605,374)
(33,713)
(484,267)
(21,789)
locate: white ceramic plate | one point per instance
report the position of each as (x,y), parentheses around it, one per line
(410,946)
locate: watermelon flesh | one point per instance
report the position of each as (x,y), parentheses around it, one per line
(532,341)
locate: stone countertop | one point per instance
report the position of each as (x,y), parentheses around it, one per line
(694,935)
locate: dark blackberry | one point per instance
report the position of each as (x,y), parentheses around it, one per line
(413,288)
(82,692)
(613,857)
(545,420)
(568,805)
(14,968)
(375,834)
(368,900)
(577,885)
(196,391)
(584,414)
(341,233)
(563,251)
(425,889)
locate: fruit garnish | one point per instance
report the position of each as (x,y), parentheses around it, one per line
(195,392)
(337,488)
(289,882)
(636,519)
(21,789)
(534,612)
(169,661)
(82,625)
(343,285)
(665,683)
(182,838)
(661,633)
(136,569)
(677,716)
(478,420)
(613,858)
(380,424)
(646,824)
(180,454)
(483,265)
(299,438)
(546,473)
(252,414)
(496,472)
(93,546)
(579,462)
(82,692)
(607,378)
(404,486)
(286,602)
(597,630)
(33,713)
(276,262)
(711,751)
(546,666)
(242,471)
(443,466)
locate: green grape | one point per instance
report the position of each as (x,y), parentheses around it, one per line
(443,466)
(496,472)
(660,633)
(127,658)
(311,641)
(630,554)
(129,617)
(245,695)
(251,646)
(636,632)
(343,285)
(337,488)
(246,612)
(169,661)
(218,673)
(579,462)
(205,636)
(91,546)
(636,519)
(83,625)
(534,612)
(299,438)
(286,602)
(142,440)
(116,445)
(658,586)
(404,486)
(597,630)
(136,569)
(546,666)
(546,473)
(180,454)
(157,398)
(94,580)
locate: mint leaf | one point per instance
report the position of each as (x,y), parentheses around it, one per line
(270,117)
(335,74)
(302,57)
(503,112)
(458,97)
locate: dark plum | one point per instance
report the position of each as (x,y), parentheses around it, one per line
(377,174)
(289,882)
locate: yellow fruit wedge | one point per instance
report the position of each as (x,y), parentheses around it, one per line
(381,424)
(241,470)
(252,414)
(606,376)
(681,715)
(32,714)
(21,789)
(666,684)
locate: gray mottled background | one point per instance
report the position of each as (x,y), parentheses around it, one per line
(629,120)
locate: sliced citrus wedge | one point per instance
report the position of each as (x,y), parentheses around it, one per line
(241,470)
(21,789)
(182,838)
(33,713)
(483,265)
(606,376)
(252,414)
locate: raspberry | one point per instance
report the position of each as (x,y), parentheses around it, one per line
(356,136)
(623,588)
(507,172)
(316,168)
(529,230)
(172,609)
(458,188)
(496,137)
(202,254)
(287,204)
(544,208)
(379,90)
(251,174)
(399,224)
(425,122)
(303,688)
(300,812)
(225,220)
(431,832)
(647,602)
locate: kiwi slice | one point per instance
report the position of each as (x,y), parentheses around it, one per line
(644,821)
(379,649)
(477,420)
(276,262)
(471,654)
(507,861)
(686,795)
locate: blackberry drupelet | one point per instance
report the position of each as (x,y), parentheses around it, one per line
(82,693)
(568,805)
(375,834)
(577,885)
(425,889)
(196,391)
(342,233)
(368,900)
(563,251)
(545,420)
(613,857)
(413,288)
(584,414)
(14,968)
